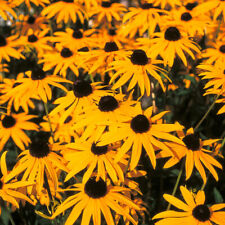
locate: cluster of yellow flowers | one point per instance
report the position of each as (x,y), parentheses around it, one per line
(89,66)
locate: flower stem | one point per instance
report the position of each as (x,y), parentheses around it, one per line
(49,122)
(206,114)
(177,182)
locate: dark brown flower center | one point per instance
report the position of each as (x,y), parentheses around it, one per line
(95,189)
(139,57)
(37,73)
(3,41)
(192,142)
(32,38)
(201,213)
(190,6)
(84,49)
(140,124)
(186,16)
(82,88)
(77,34)
(147,6)
(108,103)
(8,121)
(112,32)
(66,53)
(39,147)
(31,20)
(111,47)
(106,4)
(99,150)
(172,34)
(222,48)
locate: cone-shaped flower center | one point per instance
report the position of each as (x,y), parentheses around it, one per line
(106,4)
(172,34)
(191,6)
(112,32)
(31,20)
(66,53)
(37,73)
(39,147)
(82,88)
(95,189)
(111,47)
(140,124)
(99,150)
(77,34)
(192,142)
(186,16)
(201,213)
(32,38)
(107,103)
(147,6)
(8,122)
(2,41)
(84,49)
(139,57)
(68,119)
(222,48)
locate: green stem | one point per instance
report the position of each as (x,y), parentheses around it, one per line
(206,114)
(49,122)
(177,182)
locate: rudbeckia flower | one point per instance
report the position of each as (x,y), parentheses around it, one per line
(28,3)
(170,42)
(94,197)
(38,163)
(82,96)
(65,10)
(6,10)
(136,68)
(215,53)
(141,19)
(87,155)
(165,3)
(193,211)
(217,6)
(75,38)
(61,59)
(195,153)
(141,131)
(8,48)
(89,3)
(106,11)
(8,190)
(13,125)
(34,85)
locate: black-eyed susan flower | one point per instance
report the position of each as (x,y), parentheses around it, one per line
(137,69)
(38,163)
(35,84)
(141,131)
(82,96)
(36,40)
(93,198)
(29,3)
(61,59)
(6,9)
(33,22)
(64,11)
(217,6)
(193,211)
(13,125)
(75,38)
(107,11)
(165,3)
(195,153)
(215,53)
(170,42)
(8,190)
(87,155)
(9,48)
(141,19)
(89,3)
